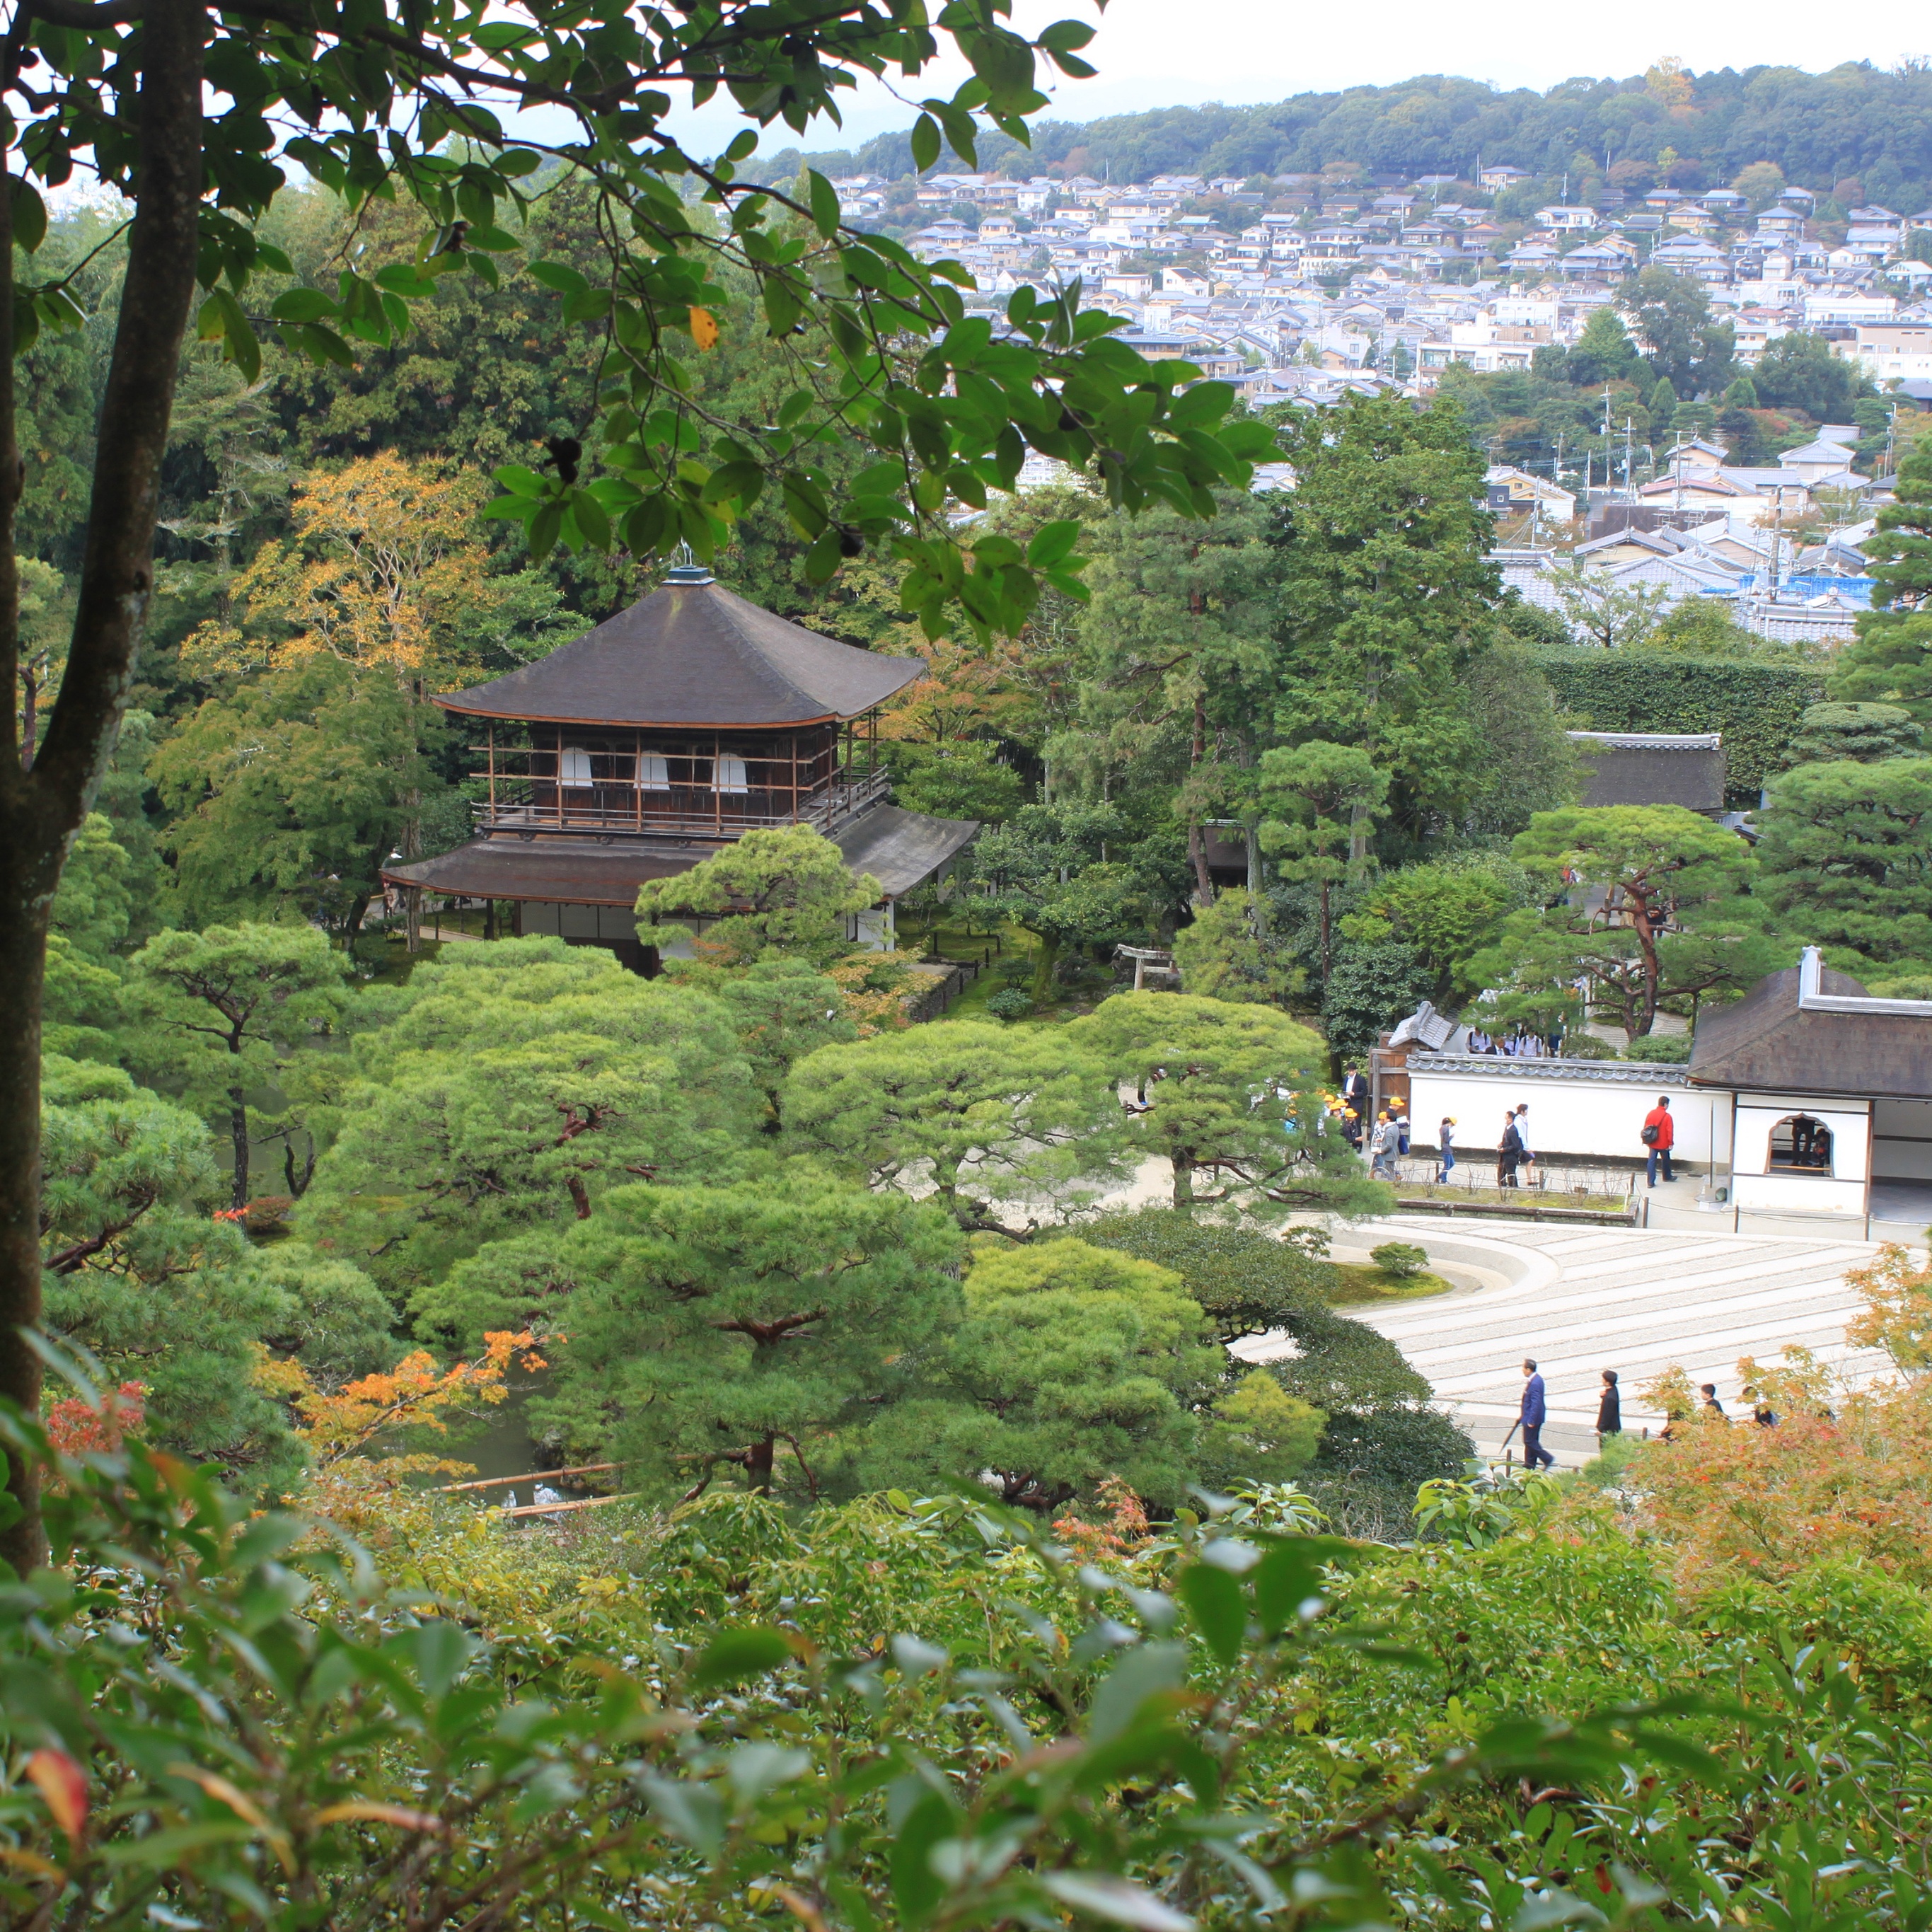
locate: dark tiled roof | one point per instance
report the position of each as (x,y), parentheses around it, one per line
(898,848)
(1770,1041)
(693,653)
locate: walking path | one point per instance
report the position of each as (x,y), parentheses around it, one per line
(1582,1301)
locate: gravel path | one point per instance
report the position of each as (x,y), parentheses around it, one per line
(1582,1301)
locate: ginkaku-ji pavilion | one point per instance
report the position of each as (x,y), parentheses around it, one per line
(653,741)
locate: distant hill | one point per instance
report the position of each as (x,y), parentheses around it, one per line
(1856,123)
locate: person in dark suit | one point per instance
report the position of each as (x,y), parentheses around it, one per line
(1609,1408)
(1509,1152)
(1355,1091)
(1534,1414)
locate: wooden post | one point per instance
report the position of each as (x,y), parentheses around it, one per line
(492,771)
(717,796)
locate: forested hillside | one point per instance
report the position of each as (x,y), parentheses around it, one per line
(1855,120)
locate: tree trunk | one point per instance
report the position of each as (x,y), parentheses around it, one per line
(1324,938)
(40,810)
(758,1464)
(1044,961)
(238,1138)
(1183,1184)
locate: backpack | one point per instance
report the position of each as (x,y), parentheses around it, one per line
(1652,1134)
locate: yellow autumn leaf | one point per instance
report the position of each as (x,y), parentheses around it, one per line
(704,328)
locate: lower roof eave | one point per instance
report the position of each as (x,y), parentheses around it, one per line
(898,848)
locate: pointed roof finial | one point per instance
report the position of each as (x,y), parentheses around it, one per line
(688,570)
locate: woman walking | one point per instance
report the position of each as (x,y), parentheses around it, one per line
(1445,1150)
(1609,1408)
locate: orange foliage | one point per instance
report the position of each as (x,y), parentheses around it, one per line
(386,569)
(964,694)
(78,1428)
(1897,1317)
(352,1480)
(1855,1484)
(1124,1530)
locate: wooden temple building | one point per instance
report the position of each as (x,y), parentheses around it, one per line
(658,738)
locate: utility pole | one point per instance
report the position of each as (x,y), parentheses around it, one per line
(1628,434)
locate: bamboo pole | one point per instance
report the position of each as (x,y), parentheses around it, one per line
(529,1476)
(581,1502)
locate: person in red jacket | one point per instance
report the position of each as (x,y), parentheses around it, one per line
(1659,1132)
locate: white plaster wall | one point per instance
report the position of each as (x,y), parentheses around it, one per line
(1588,1119)
(1851,1134)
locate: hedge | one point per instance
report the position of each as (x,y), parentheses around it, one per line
(1757,707)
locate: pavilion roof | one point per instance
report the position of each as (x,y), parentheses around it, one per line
(693,653)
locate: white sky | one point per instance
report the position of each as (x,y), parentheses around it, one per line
(1158,53)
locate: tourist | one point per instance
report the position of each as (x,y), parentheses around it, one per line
(1355,1091)
(1381,1147)
(1445,1149)
(1509,1152)
(1609,1408)
(1534,1411)
(1659,1135)
(1714,1410)
(1522,1135)
(1401,1128)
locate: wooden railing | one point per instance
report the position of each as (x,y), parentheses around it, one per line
(682,813)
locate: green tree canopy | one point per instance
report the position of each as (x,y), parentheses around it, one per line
(976,1113)
(291,792)
(1799,371)
(1228,952)
(1685,347)
(222,1009)
(1044,870)
(1846,855)
(714,1332)
(779,890)
(1072,1364)
(1646,904)
(1232,1096)
(163,1296)
(1320,802)
(1251,1283)
(1385,585)
(1603,352)
(506,1097)
(1866,732)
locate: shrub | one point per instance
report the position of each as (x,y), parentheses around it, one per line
(1660,1049)
(1401,1259)
(1010,1003)
(1581,1045)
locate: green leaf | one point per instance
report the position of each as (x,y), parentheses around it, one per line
(692,1812)
(925,143)
(29,212)
(523,482)
(1218,1608)
(591,519)
(824,203)
(1053,543)
(917,1889)
(1291,1573)
(1103,1896)
(823,559)
(736,1656)
(1149,1670)
(302,305)
(545,528)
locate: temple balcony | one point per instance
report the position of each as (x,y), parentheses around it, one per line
(530,808)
